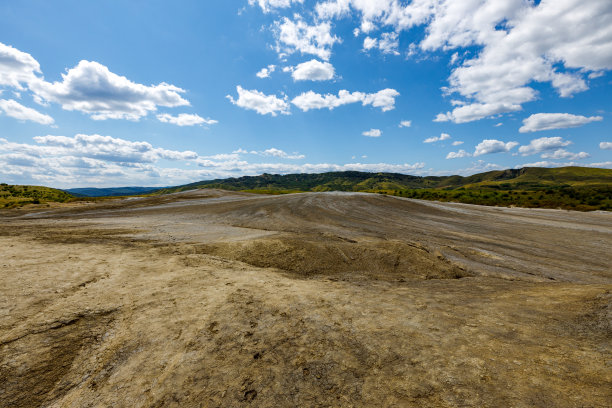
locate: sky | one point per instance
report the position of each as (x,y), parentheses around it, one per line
(160,93)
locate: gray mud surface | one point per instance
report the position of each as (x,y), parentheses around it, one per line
(218,299)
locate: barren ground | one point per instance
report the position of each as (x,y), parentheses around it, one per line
(210,298)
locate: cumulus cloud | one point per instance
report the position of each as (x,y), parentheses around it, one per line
(457,143)
(106,148)
(85,160)
(388,43)
(102,160)
(443,136)
(564,154)
(369,43)
(260,103)
(265,72)
(299,36)
(543,144)
(605,145)
(379,12)
(313,70)
(372,133)
(517,54)
(185,119)
(489,146)
(274,152)
(405,123)
(17,68)
(607,164)
(546,163)
(476,111)
(269,5)
(93,89)
(548,121)
(457,155)
(16,110)
(513,52)
(384,99)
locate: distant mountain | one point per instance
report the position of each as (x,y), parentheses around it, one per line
(528,178)
(111,191)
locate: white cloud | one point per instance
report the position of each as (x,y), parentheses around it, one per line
(313,70)
(105,161)
(518,54)
(388,43)
(510,53)
(185,119)
(384,99)
(17,68)
(378,12)
(297,35)
(564,154)
(476,111)
(106,148)
(86,160)
(457,155)
(225,156)
(274,152)
(91,88)
(259,102)
(542,144)
(489,146)
(548,121)
(546,163)
(443,136)
(514,53)
(607,164)
(605,145)
(479,166)
(457,143)
(16,110)
(369,43)
(405,123)
(372,133)
(265,72)
(269,5)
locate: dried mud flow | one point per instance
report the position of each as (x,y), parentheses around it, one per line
(217,299)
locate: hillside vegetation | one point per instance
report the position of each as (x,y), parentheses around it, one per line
(12,196)
(575,188)
(578,188)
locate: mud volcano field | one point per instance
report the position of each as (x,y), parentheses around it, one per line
(217,299)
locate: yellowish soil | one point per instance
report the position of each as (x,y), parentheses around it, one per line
(216,299)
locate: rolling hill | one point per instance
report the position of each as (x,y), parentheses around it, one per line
(576,188)
(529,178)
(15,196)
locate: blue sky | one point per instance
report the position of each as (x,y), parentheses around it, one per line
(161,93)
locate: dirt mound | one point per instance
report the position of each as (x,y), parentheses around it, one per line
(341,258)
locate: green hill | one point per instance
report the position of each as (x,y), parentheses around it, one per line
(578,188)
(15,196)
(529,178)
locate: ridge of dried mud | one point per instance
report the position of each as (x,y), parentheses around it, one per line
(212,298)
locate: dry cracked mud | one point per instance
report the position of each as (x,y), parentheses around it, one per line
(217,299)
